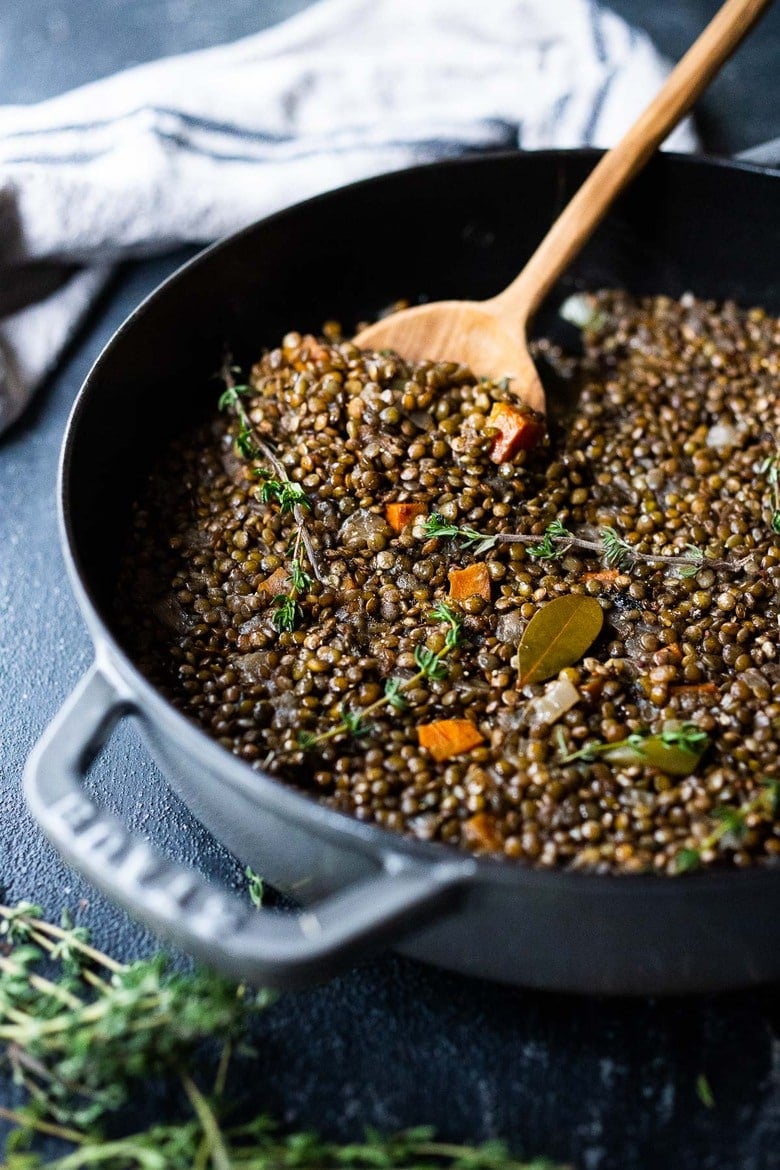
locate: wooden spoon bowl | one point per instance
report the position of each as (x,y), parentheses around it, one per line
(473,332)
(491,336)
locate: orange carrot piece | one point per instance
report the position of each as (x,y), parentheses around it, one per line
(668,654)
(275,584)
(481,832)
(607,576)
(517,431)
(472,581)
(445,738)
(399,515)
(312,351)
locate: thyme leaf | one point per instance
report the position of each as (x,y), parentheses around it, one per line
(616,552)
(254,886)
(429,663)
(354,722)
(732,824)
(300,580)
(276,485)
(550,546)
(394,694)
(285,613)
(436,525)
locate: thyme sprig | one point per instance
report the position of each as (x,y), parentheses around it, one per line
(557,540)
(91,1034)
(732,824)
(230,399)
(687,737)
(286,493)
(277,485)
(430,664)
(287,607)
(257,1145)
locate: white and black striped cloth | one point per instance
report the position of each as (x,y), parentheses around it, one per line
(189,148)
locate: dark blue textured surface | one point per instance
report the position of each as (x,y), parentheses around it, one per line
(601,1084)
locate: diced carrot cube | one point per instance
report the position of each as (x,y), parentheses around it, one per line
(606,576)
(517,431)
(398,516)
(445,738)
(481,832)
(275,584)
(312,351)
(472,581)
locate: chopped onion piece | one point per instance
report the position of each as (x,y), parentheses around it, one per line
(722,435)
(581,309)
(558,698)
(358,529)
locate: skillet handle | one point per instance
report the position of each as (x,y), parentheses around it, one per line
(260,946)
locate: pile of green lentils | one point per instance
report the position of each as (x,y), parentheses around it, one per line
(671,442)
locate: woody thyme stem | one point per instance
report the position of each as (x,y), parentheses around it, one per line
(262,448)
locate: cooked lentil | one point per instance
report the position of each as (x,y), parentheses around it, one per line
(668,445)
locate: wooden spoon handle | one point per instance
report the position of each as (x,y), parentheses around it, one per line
(575,224)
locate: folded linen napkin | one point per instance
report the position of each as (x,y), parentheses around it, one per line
(189,148)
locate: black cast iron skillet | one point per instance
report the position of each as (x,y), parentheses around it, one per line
(456,229)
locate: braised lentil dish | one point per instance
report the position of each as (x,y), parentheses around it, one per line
(334,574)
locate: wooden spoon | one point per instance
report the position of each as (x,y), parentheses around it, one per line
(491,336)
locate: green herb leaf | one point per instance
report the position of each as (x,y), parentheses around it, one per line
(353,722)
(228,399)
(704,1091)
(394,695)
(696,559)
(429,663)
(436,525)
(254,886)
(285,614)
(443,613)
(770,797)
(291,496)
(731,823)
(617,553)
(687,860)
(550,548)
(557,636)
(300,580)
(675,750)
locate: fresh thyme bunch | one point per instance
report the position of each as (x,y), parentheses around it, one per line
(80,1041)
(84,1034)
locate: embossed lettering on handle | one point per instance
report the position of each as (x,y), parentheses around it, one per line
(260,946)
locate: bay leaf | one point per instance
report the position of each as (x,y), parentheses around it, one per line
(557,636)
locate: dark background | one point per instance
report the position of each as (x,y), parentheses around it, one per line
(605,1085)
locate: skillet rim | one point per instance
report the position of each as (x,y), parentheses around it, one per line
(259,787)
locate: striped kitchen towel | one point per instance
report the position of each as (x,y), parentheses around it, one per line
(189,148)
